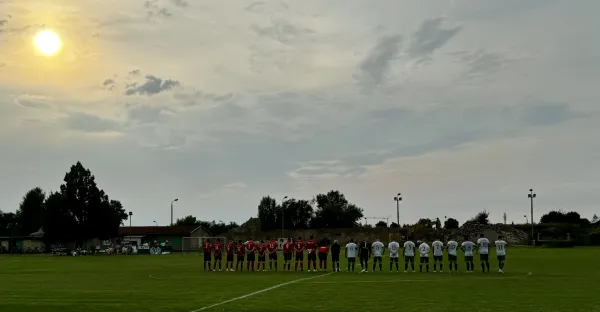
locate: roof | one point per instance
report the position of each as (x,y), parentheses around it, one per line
(156,230)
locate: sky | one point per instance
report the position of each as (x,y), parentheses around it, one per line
(460,106)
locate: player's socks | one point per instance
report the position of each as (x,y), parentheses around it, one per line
(483,267)
(405,266)
(441,267)
(487,264)
(427,267)
(397,267)
(434,266)
(420,268)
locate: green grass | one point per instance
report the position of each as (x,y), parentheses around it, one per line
(561,280)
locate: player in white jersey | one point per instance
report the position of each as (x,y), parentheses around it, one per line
(377,247)
(351,248)
(424,256)
(409,255)
(394,248)
(500,253)
(467,247)
(483,246)
(452,247)
(438,254)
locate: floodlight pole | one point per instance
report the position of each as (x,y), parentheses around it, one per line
(398,198)
(531,196)
(174,200)
(283,216)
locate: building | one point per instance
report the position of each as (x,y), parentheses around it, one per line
(29,243)
(138,235)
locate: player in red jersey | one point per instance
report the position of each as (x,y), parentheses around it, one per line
(218,248)
(272,248)
(287,254)
(229,249)
(241,252)
(323,251)
(207,249)
(311,246)
(299,249)
(262,254)
(250,256)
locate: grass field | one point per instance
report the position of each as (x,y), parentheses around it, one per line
(560,280)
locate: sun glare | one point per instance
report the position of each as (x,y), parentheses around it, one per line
(47,42)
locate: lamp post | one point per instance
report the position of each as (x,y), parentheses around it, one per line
(398,198)
(283,215)
(130,214)
(174,200)
(531,196)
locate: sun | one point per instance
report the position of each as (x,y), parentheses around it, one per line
(47,42)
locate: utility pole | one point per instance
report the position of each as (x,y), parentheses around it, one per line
(174,200)
(531,196)
(504,218)
(398,198)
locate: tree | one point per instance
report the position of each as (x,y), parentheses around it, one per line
(482,218)
(298,213)
(187,221)
(8,223)
(269,214)
(571,217)
(80,210)
(381,224)
(334,211)
(426,223)
(451,223)
(30,215)
(394,225)
(595,218)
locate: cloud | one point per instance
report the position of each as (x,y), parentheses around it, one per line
(430,37)
(34,101)
(92,124)
(376,66)
(147,114)
(152,86)
(282,31)
(180,3)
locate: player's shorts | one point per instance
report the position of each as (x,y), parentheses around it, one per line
(501,258)
(229,258)
(452,258)
(424,259)
(351,259)
(438,258)
(469,258)
(300,257)
(410,259)
(377,259)
(207,257)
(364,257)
(250,257)
(261,258)
(287,257)
(483,257)
(240,258)
(322,256)
(218,257)
(312,257)
(394,259)
(273,256)
(335,257)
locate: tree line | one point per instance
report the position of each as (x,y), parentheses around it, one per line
(213,227)
(78,211)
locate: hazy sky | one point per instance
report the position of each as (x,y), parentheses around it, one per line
(459,105)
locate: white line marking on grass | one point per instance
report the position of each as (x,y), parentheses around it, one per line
(261,291)
(382,281)
(151,276)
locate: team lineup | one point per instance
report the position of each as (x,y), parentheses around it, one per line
(319,253)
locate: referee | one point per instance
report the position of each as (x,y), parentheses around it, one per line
(364,250)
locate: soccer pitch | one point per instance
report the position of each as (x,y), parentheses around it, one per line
(560,280)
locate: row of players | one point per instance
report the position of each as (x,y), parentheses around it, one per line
(247,251)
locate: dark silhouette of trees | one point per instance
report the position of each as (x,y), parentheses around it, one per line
(451,223)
